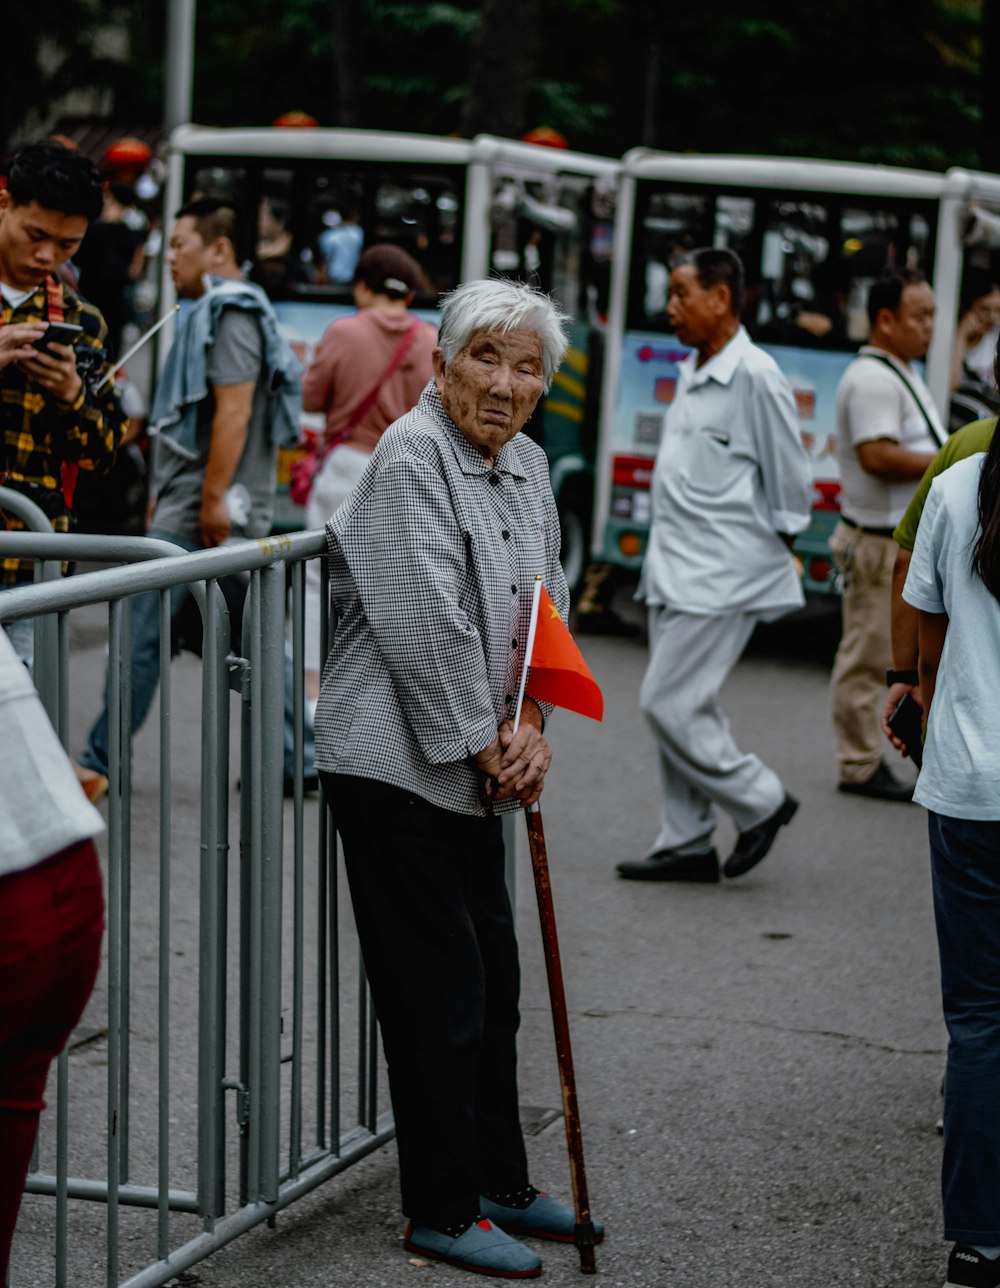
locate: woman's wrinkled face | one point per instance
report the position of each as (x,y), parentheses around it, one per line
(492,386)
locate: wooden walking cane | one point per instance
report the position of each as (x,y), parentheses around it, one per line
(559,657)
(584,1236)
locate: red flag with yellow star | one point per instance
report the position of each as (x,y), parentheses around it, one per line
(556,670)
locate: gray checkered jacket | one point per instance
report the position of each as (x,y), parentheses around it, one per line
(433,560)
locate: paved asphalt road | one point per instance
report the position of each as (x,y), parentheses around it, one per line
(758,1062)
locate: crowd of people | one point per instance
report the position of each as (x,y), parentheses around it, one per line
(439,515)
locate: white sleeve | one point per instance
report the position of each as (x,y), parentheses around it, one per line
(784,464)
(873,407)
(924,588)
(42,808)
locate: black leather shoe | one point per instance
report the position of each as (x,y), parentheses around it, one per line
(753,844)
(668,865)
(882,786)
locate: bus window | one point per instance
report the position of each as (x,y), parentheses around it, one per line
(734,222)
(871,239)
(794,296)
(306,226)
(337,236)
(669,222)
(596,249)
(535,219)
(278,264)
(420,214)
(973,382)
(224,182)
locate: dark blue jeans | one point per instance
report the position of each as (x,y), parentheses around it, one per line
(965,873)
(146,676)
(145,661)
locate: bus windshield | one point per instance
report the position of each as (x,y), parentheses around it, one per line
(314,218)
(810,259)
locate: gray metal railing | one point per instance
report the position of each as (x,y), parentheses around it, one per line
(306,1102)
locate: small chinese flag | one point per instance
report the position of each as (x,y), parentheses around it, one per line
(557,672)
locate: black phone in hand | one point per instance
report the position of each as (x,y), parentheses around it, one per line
(907,723)
(57,333)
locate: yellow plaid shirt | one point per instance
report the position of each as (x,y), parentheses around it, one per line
(39,434)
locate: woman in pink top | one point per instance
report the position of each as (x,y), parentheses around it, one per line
(347,381)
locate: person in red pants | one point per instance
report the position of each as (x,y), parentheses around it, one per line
(51,920)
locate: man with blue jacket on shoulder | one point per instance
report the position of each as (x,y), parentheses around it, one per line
(228,397)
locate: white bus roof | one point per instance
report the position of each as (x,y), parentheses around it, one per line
(319,144)
(383,145)
(794,173)
(973,184)
(532,156)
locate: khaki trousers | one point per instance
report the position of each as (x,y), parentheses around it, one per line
(857,685)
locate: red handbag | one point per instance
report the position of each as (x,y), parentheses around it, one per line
(303,472)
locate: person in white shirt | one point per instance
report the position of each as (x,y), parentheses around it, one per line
(888,431)
(954,584)
(731,488)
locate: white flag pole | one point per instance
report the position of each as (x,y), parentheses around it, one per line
(536,599)
(136,347)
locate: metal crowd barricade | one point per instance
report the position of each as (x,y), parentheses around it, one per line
(305,1103)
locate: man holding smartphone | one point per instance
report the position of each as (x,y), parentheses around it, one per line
(53,421)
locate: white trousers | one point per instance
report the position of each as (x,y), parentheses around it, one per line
(341,470)
(701,768)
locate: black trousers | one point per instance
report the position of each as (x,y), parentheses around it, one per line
(437,936)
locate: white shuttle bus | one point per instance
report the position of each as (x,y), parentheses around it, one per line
(813,236)
(314,198)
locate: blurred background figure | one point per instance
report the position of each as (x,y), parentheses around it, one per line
(111,259)
(974,387)
(276,265)
(367,371)
(340,242)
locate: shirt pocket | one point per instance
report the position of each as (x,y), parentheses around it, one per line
(711,466)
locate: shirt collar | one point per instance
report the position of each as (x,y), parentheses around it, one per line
(24,298)
(721,366)
(876,352)
(508,459)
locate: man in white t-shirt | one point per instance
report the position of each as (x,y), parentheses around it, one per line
(888,431)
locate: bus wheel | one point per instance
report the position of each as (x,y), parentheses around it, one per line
(573,550)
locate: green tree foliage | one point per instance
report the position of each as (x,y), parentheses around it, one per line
(898,81)
(51,47)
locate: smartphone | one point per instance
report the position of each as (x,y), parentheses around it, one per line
(906,722)
(57,333)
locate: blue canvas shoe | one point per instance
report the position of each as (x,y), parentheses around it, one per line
(482,1248)
(543,1218)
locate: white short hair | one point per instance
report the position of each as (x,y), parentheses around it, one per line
(496,304)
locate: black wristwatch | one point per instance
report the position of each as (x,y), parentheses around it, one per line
(902,677)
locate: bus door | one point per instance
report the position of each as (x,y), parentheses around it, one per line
(553,226)
(810,258)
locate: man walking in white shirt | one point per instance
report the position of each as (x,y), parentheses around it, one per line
(888,431)
(731,488)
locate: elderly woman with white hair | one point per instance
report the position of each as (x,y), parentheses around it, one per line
(433,559)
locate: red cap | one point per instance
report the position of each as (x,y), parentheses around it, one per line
(128,152)
(295,121)
(545,137)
